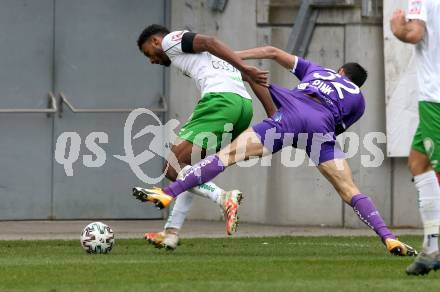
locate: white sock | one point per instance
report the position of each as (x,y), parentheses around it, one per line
(180,211)
(429,206)
(208,190)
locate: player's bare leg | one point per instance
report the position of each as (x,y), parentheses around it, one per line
(429,207)
(182,151)
(245,147)
(339,174)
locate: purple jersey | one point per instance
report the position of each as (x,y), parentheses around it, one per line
(338,94)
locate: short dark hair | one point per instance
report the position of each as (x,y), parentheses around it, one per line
(356,73)
(150,31)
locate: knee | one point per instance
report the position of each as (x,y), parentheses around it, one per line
(418,164)
(341,178)
(225,155)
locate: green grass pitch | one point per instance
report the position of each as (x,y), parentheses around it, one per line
(235,264)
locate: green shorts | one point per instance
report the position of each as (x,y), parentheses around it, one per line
(217,115)
(427,137)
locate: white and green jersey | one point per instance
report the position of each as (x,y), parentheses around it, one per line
(211,74)
(427,50)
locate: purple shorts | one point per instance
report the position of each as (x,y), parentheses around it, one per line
(300,122)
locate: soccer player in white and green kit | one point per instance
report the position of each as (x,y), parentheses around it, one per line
(224,107)
(422,28)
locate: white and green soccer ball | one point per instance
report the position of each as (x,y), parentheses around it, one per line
(97,237)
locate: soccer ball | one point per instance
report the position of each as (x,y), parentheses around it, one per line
(97,238)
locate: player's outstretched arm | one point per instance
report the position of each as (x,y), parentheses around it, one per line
(204,43)
(263,96)
(268,52)
(407,31)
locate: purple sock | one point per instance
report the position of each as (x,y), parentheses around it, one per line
(367,212)
(198,174)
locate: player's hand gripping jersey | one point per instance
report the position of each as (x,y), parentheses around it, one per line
(337,93)
(210,73)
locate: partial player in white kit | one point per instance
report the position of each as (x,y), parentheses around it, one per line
(422,28)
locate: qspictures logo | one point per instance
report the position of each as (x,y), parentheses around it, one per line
(162,136)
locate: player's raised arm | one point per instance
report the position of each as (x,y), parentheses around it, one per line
(411,31)
(268,52)
(203,43)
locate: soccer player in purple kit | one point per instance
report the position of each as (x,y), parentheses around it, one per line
(323,105)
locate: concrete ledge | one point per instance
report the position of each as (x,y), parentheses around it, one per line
(41,230)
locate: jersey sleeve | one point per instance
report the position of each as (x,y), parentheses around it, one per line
(417,10)
(302,67)
(172,44)
(356,113)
